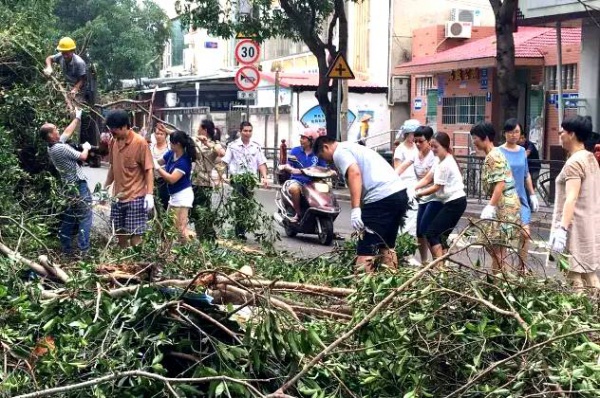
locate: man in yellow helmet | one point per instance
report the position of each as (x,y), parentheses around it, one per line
(72,65)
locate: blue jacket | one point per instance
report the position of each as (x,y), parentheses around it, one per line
(306,161)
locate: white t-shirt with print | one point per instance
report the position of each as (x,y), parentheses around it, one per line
(447,174)
(422,166)
(378,178)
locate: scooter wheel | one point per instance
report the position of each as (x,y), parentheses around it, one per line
(326,235)
(290,232)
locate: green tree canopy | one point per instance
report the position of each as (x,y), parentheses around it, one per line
(123,38)
(314,22)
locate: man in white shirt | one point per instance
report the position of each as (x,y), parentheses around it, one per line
(372,181)
(245,156)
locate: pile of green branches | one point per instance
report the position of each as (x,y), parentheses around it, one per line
(304,327)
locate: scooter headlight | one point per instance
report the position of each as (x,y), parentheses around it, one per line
(322,187)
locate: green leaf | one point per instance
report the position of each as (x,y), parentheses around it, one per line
(220,389)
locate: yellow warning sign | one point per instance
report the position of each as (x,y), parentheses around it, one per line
(339,69)
(243,35)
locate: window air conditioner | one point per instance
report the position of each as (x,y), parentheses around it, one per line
(458,30)
(466,15)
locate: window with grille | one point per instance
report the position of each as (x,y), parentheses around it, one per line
(569,77)
(463,110)
(423,85)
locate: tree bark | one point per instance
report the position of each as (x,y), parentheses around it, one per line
(325,53)
(505,56)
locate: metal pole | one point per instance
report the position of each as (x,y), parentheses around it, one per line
(276,124)
(197,93)
(247,110)
(559,77)
(339,109)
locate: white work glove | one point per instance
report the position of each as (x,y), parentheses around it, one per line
(535,203)
(558,240)
(86,146)
(78,113)
(149,202)
(488,213)
(156,164)
(356,220)
(412,195)
(48,71)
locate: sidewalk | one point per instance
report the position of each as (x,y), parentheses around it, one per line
(540,220)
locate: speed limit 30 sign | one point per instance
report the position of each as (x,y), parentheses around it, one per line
(247,52)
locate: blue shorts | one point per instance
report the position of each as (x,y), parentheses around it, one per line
(130,217)
(384,218)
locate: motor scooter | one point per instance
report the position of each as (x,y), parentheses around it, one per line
(318,203)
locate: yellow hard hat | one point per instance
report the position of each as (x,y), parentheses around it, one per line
(66,44)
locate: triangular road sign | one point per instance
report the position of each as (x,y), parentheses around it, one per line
(339,69)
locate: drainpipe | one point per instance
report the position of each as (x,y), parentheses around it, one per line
(559,77)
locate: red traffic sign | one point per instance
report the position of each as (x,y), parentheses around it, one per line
(247,78)
(247,52)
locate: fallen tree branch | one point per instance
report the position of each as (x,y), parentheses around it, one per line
(139,373)
(126,100)
(320,312)
(213,321)
(382,304)
(491,306)
(510,358)
(298,287)
(38,268)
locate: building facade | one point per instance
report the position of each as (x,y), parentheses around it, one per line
(587,14)
(455,88)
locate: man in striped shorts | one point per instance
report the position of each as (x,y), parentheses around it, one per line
(131,172)
(67,161)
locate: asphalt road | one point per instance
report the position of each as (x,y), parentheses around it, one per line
(307,245)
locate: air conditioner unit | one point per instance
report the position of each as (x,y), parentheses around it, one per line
(466,15)
(399,90)
(458,30)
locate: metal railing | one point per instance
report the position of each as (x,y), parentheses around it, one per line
(471,169)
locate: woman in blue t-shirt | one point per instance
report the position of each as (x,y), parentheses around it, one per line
(177,173)
(517,160)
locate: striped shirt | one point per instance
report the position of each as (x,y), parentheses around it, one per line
(64,157)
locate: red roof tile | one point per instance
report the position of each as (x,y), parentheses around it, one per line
(529,42)
(311,80)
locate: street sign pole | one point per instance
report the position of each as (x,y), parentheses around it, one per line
(339,109)
(276,126)
(339,70)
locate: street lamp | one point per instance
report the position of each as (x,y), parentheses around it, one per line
(276,67)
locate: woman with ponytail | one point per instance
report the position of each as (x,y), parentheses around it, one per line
(445,182)
(177,173)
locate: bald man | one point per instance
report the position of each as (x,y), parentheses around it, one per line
(66,159)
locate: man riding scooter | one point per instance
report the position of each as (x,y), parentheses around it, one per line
(306,203)
(301,156)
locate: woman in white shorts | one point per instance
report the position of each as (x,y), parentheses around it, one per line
(177,173)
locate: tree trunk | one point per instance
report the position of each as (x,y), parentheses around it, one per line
(505,56)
